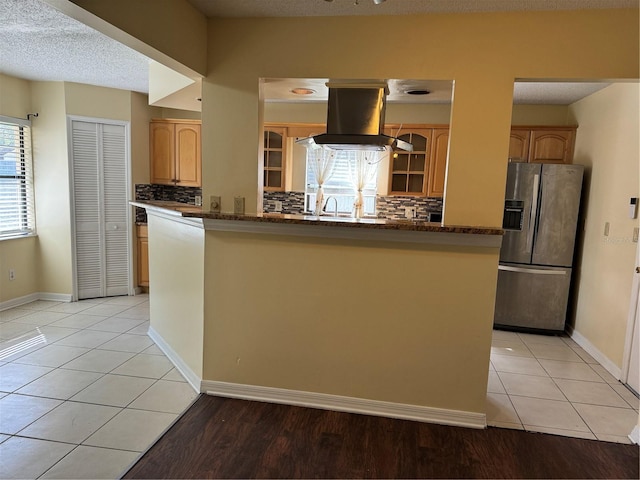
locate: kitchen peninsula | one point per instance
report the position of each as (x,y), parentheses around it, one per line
(328,312)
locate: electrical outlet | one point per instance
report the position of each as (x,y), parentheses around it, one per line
(214,204)
(278,206)
(606,229)
(238,205)
(635,235)
(12,274)
(198,200)
(409,212)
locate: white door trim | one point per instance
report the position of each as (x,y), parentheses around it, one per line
(127,128)
(631,319)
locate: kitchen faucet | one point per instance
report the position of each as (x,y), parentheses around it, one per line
(326,204)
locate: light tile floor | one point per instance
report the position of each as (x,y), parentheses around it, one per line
(83,389)
(549,384)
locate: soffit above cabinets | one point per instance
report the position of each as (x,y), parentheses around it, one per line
(319,8)
(440,91)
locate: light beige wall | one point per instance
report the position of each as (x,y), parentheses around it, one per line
(482,53)
(176,113)
(607,143)
(51,176)
(15,97)
(392,322)
(18,254)
(97,102)
(554,115)
(141,115)
(177,302)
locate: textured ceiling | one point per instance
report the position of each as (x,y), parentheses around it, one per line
(38,42)
(302,8)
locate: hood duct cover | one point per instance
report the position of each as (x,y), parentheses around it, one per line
(355,121)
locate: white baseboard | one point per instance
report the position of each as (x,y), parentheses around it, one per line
(634,436)
(600,357)
(346,404)
(32,297)
(194,380)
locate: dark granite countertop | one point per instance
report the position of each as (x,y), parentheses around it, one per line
(192,211)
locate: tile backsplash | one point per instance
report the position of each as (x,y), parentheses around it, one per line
(170,193)
(386,206)
(394,207)
(292,202)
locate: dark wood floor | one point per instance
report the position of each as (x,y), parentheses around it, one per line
(227,438)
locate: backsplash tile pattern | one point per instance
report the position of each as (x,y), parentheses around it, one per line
(292,202)
(393,207)
(386,206)
(170,193)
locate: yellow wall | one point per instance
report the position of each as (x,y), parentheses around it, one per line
(482,53)
(607,143)
(387,321)
(177,303)
(18,254)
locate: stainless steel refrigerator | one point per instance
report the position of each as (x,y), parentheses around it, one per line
(534,275)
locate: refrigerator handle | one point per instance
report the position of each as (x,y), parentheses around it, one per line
(534,213)
(537,271)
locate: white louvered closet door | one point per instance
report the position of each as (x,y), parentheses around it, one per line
(99,163)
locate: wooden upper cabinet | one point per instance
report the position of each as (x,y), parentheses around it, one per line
(188,155)
(438,165)
(176,152)
(519,145)
(409,171)
(162,152)
(551,146)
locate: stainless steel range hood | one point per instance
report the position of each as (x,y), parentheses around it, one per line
(355,120)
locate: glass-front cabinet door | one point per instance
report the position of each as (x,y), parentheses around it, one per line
(409,170)
(274,158)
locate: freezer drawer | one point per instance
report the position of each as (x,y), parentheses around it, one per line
(532,297)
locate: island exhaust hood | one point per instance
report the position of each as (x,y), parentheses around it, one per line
(355,120)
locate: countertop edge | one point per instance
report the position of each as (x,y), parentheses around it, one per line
(327,227)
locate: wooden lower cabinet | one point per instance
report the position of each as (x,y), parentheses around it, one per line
(143,256)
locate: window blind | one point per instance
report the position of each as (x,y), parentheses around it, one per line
(17,213)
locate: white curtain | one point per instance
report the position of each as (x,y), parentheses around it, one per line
(322,163)
(362,170)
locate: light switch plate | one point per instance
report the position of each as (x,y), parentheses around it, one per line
(214,204)
(238,205)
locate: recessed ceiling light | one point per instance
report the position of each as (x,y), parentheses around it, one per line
(303,91)
(417,92)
